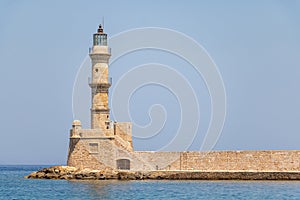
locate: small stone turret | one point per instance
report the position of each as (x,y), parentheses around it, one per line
(75,131)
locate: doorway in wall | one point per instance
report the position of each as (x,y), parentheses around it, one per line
(123,164)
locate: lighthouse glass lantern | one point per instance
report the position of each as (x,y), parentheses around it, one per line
(100,38)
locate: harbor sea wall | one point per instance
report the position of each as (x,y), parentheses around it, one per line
(269,160)
(67,173)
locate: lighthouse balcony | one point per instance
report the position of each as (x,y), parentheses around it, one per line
(100,82)
(100,50)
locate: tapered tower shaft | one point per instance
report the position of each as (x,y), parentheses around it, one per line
(100,82)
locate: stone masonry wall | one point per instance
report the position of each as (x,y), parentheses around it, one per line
(80,157)
(155,160)
(227,160)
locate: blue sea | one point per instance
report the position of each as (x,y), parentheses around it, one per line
(14,186)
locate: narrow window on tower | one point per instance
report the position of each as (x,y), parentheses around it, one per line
(98,40)
(107,124)
(95,40)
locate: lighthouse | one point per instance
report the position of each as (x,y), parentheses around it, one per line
(106,144)
(100,82)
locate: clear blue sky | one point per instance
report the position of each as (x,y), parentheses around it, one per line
(255,44)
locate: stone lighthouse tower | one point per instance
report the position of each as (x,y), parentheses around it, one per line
(100,82)
(105,145)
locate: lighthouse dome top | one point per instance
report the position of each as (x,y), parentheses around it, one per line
(100,29)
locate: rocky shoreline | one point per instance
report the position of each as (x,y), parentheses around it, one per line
(72,173)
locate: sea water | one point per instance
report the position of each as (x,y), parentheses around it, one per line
(14,186)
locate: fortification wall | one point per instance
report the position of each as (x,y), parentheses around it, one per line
(103,153)
(91,148)
(225,160)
